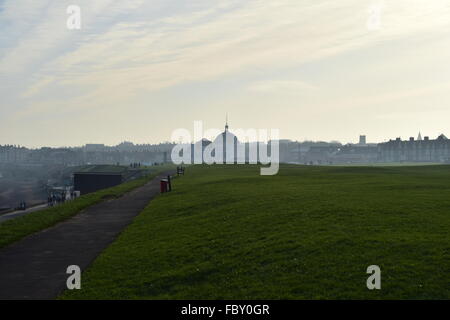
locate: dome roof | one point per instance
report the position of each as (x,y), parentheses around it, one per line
(225,136)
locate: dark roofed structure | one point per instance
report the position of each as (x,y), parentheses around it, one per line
(96,177)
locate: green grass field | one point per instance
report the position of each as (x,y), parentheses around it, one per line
(226,232)
(18,228)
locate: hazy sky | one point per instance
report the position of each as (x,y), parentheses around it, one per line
(138,69)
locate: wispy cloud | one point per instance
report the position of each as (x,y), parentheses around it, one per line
(281,86)
(128,49)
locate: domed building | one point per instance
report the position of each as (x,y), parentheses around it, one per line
(229,144)
(225,147)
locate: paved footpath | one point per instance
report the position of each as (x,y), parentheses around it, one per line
(35,267)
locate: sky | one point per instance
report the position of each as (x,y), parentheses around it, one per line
(137,70)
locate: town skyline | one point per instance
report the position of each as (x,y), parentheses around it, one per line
(355,140)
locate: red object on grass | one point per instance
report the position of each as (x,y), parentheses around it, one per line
(164,185)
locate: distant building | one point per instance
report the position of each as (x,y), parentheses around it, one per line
(425,150)
(357,153)
(321,154)
(227,138)
(125,146)
(362,140)
(92,147)
(220,146)
(419,137)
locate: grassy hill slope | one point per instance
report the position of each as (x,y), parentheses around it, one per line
(226,232)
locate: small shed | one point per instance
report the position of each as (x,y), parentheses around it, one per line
(96,177)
